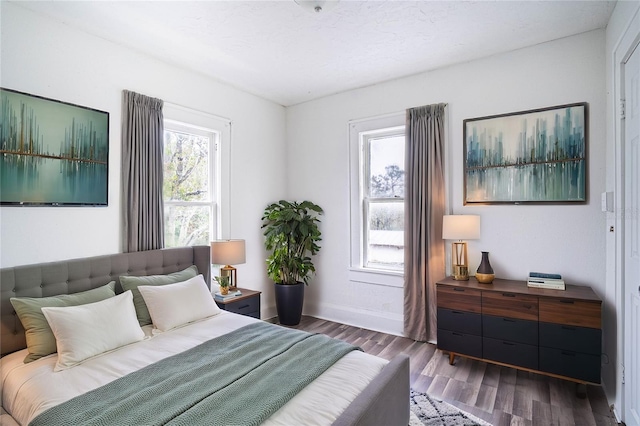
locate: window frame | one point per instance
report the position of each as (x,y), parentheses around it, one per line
(213,178)
(366,200)
(219,166)
(358,272)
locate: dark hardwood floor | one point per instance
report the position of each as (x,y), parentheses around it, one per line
(500,395)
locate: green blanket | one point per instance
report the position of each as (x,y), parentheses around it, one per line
(237,379)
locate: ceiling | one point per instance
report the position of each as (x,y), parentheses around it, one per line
(281,51)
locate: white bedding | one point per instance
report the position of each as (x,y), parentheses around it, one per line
(30,389)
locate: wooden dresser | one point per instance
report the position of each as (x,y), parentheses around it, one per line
(553,332)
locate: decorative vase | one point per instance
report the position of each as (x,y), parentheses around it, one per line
(485,274)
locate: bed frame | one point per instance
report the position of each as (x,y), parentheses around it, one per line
(385,401)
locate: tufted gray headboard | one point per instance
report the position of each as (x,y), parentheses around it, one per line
(72,276)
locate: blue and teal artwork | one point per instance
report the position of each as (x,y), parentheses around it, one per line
(536,156)
(51,152)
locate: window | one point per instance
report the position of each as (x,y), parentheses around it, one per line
(377,196)
(189,191)
(382,174)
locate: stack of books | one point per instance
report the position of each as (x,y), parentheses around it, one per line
(225,297)
(543,280)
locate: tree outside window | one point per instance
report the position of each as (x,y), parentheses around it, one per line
(188,188)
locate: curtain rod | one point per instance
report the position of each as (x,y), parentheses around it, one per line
(390,114)
(437,103)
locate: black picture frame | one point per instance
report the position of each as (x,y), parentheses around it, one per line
(537,156)
(52,153)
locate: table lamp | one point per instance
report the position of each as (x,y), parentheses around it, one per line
(227,253)
(460,227)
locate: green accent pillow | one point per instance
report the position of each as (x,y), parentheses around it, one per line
(132,283)
(40,339)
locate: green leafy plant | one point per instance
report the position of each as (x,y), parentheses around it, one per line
(291,235)
(223,281)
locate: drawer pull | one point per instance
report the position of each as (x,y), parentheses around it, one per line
(458,289)
(527,306)
(243,306)
(508,343)
(508,320)
(508,295)
(456,334)
(564,327)
(569,302)
(457,312)
(568,353)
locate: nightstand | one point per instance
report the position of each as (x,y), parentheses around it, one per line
(248,304)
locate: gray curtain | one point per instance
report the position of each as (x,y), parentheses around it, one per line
(424,261)
(142,148)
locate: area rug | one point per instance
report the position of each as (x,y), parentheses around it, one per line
(429,411)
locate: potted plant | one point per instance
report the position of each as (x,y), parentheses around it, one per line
(291,236)
(223,282)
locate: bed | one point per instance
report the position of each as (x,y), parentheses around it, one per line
(358,389)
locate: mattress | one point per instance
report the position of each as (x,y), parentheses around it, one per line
(30,389)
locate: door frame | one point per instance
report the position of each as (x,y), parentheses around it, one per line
(629,41)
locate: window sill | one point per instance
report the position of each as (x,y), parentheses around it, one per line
(377,277)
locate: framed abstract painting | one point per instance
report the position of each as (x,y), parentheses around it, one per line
(52,153)
(536,157)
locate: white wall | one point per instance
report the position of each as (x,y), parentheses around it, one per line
(619,35)
(568,239)
(46,58)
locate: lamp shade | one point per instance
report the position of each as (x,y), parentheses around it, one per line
(461,227)
(228,252)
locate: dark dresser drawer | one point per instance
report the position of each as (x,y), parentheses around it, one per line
(463,322)
(570,364)
(511,329)
(571,338)
(580,313)
(512,305)
(510,352)
(459,298)
(460,343)
(249,307)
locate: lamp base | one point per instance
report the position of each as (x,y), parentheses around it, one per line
(460,273)
(230,271)
(459,261)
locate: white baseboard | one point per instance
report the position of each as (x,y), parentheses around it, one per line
(617,416)
(383,322)
(269,313)
(612,405)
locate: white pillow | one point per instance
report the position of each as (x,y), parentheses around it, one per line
(85,331)
(172,305)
